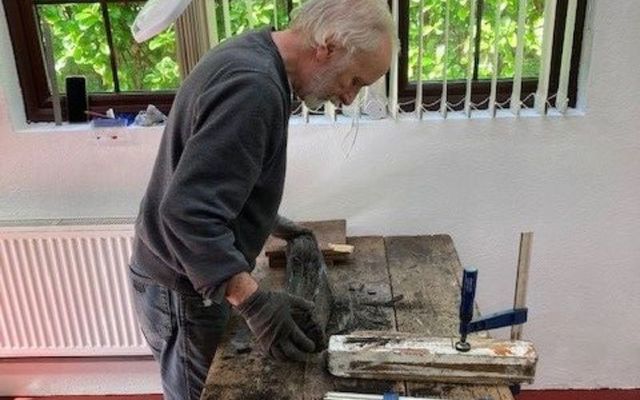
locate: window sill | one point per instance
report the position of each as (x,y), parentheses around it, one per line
(50,127)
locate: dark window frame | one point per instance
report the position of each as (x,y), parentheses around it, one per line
(481,89)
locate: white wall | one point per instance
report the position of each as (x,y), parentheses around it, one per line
(574,181)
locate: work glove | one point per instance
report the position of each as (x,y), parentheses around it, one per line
(270,316)
(286,229)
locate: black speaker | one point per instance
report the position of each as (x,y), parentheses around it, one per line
(76,88)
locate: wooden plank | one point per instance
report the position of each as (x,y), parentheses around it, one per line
(362,300)
(426,271)
(522,279)
(326,232)
(239,372)
(399,355)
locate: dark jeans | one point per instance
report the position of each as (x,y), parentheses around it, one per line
(182,332)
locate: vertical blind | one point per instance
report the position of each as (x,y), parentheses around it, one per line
(222,24)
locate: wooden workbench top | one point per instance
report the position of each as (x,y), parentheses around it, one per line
(403,283)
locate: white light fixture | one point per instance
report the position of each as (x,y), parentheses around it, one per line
(156,16)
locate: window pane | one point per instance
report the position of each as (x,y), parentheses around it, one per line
(263,13)
(79,44)
(150,65)
(433,26)
(509,38)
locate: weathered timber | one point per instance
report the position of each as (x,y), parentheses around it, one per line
(362,300)
(326,233)
(398,355)
(426,271)
(359,286)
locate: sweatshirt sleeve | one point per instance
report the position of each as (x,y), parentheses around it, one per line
(220,163)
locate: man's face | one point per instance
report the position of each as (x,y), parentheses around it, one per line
(338,77)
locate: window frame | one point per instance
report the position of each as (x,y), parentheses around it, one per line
(481,89)
(23,29)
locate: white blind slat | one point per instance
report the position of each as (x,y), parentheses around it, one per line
(472,36)
(418,106)
(443,101)
(212,23)
(496,59)
(227,18)
(562,102)
(251,18)
(393,72)
(517,78)
(545,64)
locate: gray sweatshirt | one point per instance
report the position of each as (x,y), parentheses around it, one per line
(218,178)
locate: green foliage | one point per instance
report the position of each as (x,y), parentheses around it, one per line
(81,47)
(460,47)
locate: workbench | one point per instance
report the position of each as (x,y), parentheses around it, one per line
(414,283)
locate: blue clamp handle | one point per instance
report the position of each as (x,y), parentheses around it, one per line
(493,321)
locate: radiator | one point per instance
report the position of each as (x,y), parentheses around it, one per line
(64,289)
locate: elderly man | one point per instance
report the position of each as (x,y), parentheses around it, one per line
(217,183)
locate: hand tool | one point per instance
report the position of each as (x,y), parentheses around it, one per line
(500,319)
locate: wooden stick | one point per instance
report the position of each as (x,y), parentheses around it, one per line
(341,248)
(398,356)
(520,296)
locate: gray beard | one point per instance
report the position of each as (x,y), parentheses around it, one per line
(320,82)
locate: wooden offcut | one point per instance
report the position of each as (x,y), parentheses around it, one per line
(397,355)
(327,233)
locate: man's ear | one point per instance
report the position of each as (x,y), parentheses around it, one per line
(326,51)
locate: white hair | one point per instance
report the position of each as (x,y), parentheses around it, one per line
(353,24)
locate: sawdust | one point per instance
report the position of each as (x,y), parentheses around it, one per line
(501,350)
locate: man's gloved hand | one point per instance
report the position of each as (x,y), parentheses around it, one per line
(270,316)
(286,229)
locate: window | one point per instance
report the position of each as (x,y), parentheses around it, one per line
(471,48)
(92,38)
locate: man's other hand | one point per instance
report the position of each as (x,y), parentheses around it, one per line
(270,316)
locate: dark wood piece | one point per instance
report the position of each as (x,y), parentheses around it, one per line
(326,232)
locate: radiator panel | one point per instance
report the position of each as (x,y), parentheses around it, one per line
(64,292)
